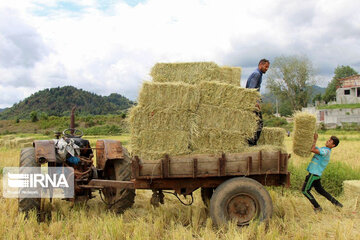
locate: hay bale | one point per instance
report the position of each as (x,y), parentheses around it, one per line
(304,129)
(171,142)
(233,74)
(141,118)
(1,142)
(217,141)
(195,72)
(219,118)
(8,137)
(169,95)
(228,96)
(272,136)
(352,192)
(27,144)
(266,148)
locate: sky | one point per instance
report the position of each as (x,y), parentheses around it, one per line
(109,46)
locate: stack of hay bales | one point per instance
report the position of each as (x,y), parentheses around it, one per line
(225,118)
(192,108)
(272,136)
(195,72)
(304,129)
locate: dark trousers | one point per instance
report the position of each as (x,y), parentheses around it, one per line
(313,180)
(253,141)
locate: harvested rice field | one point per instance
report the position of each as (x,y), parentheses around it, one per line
(293,217)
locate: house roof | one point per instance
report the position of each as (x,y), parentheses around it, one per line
(352,81)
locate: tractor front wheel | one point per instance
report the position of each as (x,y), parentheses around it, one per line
(119,199)
(27,159)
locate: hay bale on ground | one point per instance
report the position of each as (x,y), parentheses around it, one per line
(228,96)
(229,119)
(195,72)
(272,136)
(304,129)
(169,95)
(352,192)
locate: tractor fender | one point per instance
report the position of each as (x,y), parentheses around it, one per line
(107,150)
(44,151)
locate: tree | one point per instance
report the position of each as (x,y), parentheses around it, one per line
(339,72)
(290,79)
(34,116)
(317,97)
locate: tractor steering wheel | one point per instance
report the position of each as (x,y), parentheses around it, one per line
(77,133)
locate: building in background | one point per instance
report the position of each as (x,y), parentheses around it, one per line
(349,90)
(347,93)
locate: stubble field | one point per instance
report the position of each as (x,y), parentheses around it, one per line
(293,217)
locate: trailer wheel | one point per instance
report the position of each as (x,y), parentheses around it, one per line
(25,205)
(119,199)
(241,200)
(206,194)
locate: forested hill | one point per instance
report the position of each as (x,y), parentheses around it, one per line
(59,101)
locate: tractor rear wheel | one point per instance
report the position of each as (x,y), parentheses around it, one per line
(241,200)
(27,159)
(119,199)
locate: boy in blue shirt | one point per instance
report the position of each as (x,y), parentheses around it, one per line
(315,168)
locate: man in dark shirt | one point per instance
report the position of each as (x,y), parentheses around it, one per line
(254,81)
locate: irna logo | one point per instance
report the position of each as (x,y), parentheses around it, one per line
(37,180)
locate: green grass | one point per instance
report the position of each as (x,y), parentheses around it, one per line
(339,106)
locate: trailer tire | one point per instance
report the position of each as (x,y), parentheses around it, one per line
(118,199)
(25,205)
(206,194)
(241,200)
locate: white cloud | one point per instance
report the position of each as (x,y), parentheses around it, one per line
(112,50)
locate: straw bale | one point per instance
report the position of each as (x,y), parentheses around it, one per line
(228,96)
(13,143)
(23,140)
(169,119)
(195,72)
(8,137)
(1,142)
(172,142)
(266,148)
(272,136)
(231,73)
(215,141)
(352,192)
(169,95)
(304,129)
(213,117)
(26,144)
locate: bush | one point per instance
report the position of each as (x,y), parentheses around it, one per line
(332,178)
(272,121)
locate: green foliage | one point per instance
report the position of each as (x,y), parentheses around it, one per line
(339,72)
(34,116)
(285,109)
(290,78)
(267,108)
(59,101)
(332,178)
(339,106)
(103,130)
(272,121)
(317,97)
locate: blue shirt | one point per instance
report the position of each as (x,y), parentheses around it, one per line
(254,80)
(319,161)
